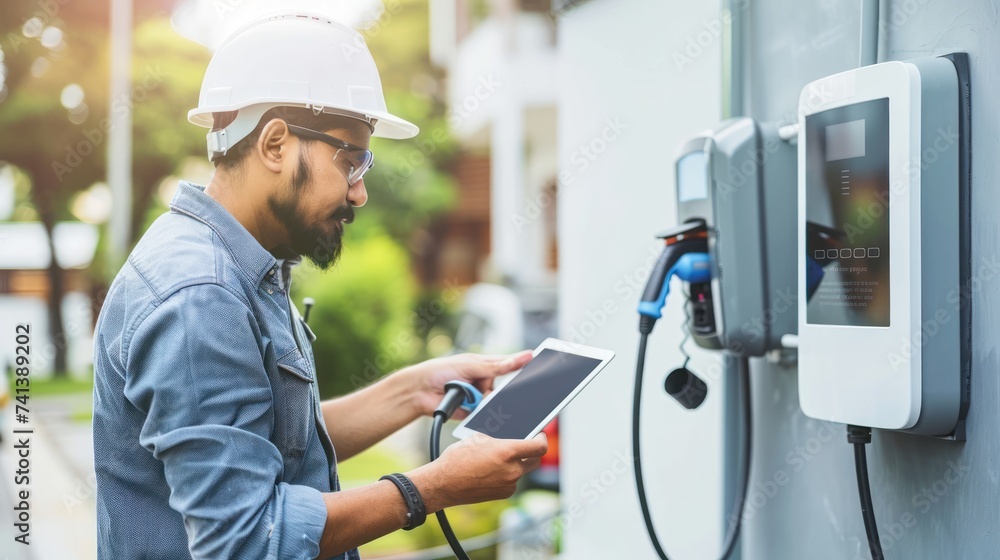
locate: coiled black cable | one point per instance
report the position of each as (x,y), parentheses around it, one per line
(733,530)
(435,452)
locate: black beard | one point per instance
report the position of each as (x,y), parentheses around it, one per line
(321,243)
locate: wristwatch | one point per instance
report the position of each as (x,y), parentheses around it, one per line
(417,513)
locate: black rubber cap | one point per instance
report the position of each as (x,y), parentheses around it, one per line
(686,387)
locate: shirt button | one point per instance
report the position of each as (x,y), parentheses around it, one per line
(270,291)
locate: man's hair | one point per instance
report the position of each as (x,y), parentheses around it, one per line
(292,115)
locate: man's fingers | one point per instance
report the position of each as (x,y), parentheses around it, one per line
(534,447)
(531,464)
(484,385)
(478,437)
(513,362)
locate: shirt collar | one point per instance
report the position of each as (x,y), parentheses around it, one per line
(250,256)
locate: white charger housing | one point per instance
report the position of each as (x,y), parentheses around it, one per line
(880,288)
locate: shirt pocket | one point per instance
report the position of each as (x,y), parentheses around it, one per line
(293,413)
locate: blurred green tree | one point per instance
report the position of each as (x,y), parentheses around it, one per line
(408,186)
(167,71)
(42,55)
(366,308)
(362,314)
(55,110)
(61,152)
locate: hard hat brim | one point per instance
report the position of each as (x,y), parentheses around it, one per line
(387,125)
(392,127)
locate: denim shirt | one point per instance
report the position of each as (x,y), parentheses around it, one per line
(209,440)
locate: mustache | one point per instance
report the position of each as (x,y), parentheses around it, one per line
(345,212)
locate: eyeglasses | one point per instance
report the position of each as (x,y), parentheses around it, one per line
(359,160)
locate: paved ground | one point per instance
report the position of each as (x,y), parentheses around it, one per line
(63,518)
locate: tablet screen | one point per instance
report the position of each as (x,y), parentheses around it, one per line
(524,402)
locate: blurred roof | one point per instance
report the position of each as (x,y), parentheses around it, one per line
(210,22)
(24,246)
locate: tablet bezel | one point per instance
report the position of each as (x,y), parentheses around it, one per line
(605,356)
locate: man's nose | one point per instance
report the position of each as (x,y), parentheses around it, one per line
(357,194)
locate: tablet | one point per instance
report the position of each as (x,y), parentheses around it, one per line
(536,393)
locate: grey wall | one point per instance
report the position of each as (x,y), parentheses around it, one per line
(620,62)
(933,499)
(655,64)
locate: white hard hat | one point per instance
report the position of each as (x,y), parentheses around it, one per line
(292,60)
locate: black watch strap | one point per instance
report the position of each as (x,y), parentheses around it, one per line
(417,513)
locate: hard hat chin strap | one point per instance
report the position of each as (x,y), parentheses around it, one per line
(220,141)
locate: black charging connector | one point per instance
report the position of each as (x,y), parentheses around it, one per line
(457,393)
(860,437)
(680,243)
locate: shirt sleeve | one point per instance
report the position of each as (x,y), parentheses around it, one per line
(195,368)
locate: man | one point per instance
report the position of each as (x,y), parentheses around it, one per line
(210,439)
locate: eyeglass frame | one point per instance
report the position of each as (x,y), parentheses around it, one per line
(337,143)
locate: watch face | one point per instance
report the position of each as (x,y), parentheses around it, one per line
(847,215)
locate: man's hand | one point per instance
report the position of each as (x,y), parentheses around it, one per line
(359,420)
(479,370)
(478,469)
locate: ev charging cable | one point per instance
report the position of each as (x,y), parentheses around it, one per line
(685,256)
(861,436)
(457,394)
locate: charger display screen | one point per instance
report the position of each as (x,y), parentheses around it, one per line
(692,177)
(527,399)
(847,215)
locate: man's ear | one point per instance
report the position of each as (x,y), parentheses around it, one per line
(273,145)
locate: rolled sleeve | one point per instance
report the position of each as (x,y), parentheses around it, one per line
(195,368)
(302,507)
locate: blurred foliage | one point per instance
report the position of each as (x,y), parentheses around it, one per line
(362,314)
(365,468)
(468,521)
(62,157)
(24,210)
(51,47)
(57,385)
(167,71)
(369,301)
(408,185)
(365,316)
(37,134)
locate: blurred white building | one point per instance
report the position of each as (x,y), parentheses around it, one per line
(580,105)
(500,61)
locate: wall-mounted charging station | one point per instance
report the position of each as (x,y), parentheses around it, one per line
(736,194)
(740,179)
(884,315)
